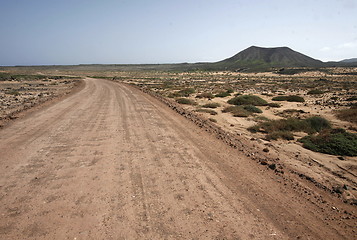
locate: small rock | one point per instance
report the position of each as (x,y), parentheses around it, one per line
(341,158)
(266,150)
(272,166)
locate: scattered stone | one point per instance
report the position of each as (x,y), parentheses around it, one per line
(266,150)
(272,166)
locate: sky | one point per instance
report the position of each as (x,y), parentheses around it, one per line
(66,32)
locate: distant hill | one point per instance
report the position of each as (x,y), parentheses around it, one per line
(259,57)
(351,60)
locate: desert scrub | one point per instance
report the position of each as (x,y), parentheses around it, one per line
(205,95)
(332,141)
(212,120)
(13,92)
(315,92)
(248,100)
(291,98)
(286,135)
(309,125)
(210,111)
(222,94)
(274,105)
(349,115)
(186,92)
(237,111)
(211,105)
(185,101)
(251,108)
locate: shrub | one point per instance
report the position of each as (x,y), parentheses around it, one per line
(274,105)
(182,93)
(291,98)
(185,101)
(335,142)
(248,100)
(212,120)
(13,92)
(186,92)
(230,90)
(317,123)
(211,105)
(349,115)
(210,111)
(251,108)
(205,95)
(354,98)
(310,125)
(237,111)
(223,94)
(315,91)
(286,135)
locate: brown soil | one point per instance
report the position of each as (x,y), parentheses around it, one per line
(110,162)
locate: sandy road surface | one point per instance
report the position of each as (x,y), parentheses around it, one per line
(112,163)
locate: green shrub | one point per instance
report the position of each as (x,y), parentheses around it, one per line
(182,93)
(274,105)
(210,111)
(251,108)
(286,135)
(223,94)
(230,90)
(310,125)
(315,92)
(211,105)
(247,100)
(185,101)
(354,98)
(237,111)
(13,92)
(212,120)
(333,141)
(349,115)
(205,95)
(291,98)
(186,92)
(317,123)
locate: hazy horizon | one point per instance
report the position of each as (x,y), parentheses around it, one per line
(150,32)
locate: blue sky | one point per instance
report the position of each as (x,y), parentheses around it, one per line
(40,32)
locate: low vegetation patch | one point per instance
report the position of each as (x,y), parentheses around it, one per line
(242,111)
(223,94)
(205,95)
(286,135)
(274,105)
(291,98)
(186,92)
(248,100)
(213,120)
(332,141)
(350,99)
(185,101)
(211,105)
(205,110)
(349,115)
(309,125)
(251,108)
(315,92)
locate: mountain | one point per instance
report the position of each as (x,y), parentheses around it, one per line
(351,60)
(259,57)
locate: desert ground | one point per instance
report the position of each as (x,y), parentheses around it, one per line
(115,155)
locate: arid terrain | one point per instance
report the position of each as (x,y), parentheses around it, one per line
(123,156)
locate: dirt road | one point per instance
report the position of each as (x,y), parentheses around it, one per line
(110,162)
